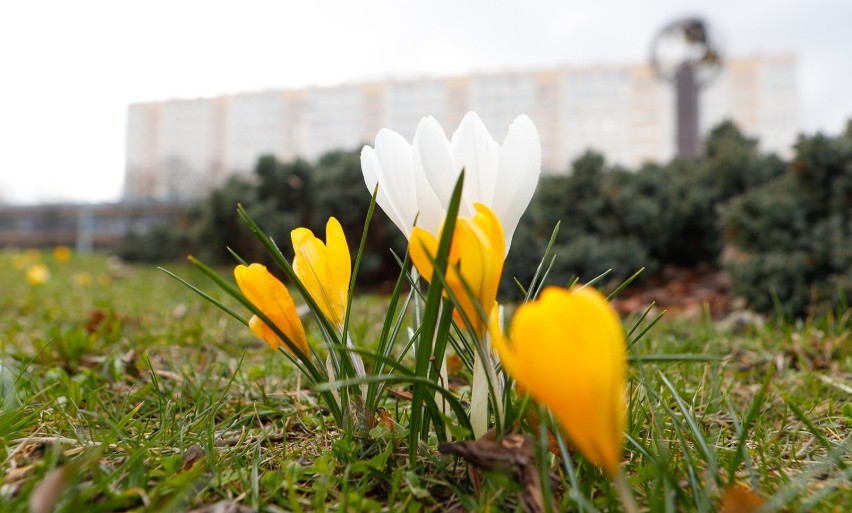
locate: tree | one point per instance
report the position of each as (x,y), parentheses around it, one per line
(216,226)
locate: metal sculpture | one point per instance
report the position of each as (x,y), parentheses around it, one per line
(683,53)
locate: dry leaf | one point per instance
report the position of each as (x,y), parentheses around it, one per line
(44,497)
(192,456)
(739,499)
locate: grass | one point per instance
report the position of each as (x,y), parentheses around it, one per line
(133,393)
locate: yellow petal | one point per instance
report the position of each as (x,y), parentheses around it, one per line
(265,333)
(568,351)
(312,268)
(482,246)
(339,261)
(422,249)
(271,297)
(490,223)
(324,269)
(475,263)
(477,270)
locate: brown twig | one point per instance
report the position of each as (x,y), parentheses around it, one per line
(513,453)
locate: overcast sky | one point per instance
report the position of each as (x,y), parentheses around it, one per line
(68,70)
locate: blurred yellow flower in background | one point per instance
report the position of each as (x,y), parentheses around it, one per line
(23,259)
(81,279)
(19,261)
(62,254)
(37,274)
(324,268)
(568,351)
(271,297)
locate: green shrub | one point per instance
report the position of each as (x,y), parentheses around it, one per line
(792,238)
(279,196)
(601,227)
(787,226)
(613,218)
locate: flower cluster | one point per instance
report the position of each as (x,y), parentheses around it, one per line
(36,271)
(323,268)
(458,201)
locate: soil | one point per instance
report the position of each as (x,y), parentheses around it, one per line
(682,292)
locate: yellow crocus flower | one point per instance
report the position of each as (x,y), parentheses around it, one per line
(477,253)
(324,268)
(25,259)
(62,254)
(272,298)
(82,279)
(568,352)
(37,274)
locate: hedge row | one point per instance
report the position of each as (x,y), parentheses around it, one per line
(793,235)
(279,196)
(785,226)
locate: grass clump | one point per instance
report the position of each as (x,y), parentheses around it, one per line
(163,406)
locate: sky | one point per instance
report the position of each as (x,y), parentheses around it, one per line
(68,70)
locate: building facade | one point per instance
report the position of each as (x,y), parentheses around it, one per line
(180,149)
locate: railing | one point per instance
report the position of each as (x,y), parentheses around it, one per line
(83,226)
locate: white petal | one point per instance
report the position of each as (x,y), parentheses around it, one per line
(517,174)
(371,168)
(475,151)
(430,211)
(368,168)
(432,149)
(397,165)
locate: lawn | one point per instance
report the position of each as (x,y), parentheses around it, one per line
(124,390)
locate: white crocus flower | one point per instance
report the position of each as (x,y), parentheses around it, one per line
(416,183)
(404,192)
(420,178)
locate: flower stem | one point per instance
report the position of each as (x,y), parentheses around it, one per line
(625,493)
(362,416)
(479,397)
(443,381)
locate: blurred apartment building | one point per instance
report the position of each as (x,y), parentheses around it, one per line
(179,149)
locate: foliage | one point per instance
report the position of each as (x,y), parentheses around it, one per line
(215,224)
(616,219)
(160,243)
(169,409)
(163,427)
(207,229)
(279,196)
(793,218)
(792,236)
(698,188)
